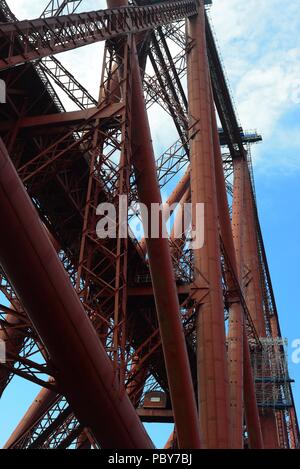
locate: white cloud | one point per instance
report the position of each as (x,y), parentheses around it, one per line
(260,47)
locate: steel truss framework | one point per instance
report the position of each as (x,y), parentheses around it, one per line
(202,324)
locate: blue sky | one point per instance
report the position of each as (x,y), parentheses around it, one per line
(260,47)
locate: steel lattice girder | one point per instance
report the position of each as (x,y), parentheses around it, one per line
(43,37)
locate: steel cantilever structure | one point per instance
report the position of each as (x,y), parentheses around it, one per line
(118,325)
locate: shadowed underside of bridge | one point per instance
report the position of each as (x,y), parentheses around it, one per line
(120,331)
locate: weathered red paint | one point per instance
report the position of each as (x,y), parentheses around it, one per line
(85,372)
(162,273)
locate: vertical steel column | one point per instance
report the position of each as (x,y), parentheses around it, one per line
(281,423)
(254,296)
(236,317)
(83,441)
(241,376)
(212,369)
(41,403)
(162,274)
(269,429)
(14,336)
(251,411)
(170,442)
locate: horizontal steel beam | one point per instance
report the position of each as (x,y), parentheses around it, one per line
(64,118)
(25,41)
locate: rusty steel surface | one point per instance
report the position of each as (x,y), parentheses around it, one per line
(236,316)
(163,280)
(37,262)
(101,325)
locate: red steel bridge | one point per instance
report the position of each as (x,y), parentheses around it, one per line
(118,332)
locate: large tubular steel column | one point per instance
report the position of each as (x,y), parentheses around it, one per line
(162,274)
(236,322)
(254,297)
(241,376)
(84,370)
(253,290)
(212,370)
(293,431)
